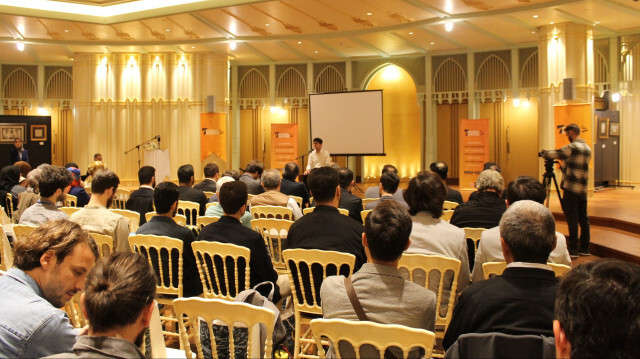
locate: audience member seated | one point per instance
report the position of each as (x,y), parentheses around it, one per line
(9,181)
(290,187)
(486,209)
(442,170)
(487,166)
(251,177)
(165,198)
(54,183)
(273,196)
(94,167)
(185,179)
(211,175)
(30,196)
(233,200)
(521,300)
(384,294)
(217,210)
(95,217)
(374,191)
(118,302)
(597,311)
(50,266)
(141,200)
(430,234)
(388,186)
(25,168)
(325,228)
(77,188)
(489,248)
(348,201)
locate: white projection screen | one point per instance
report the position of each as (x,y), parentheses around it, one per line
(349,123)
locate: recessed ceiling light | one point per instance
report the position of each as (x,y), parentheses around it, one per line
(267,25)
(411,33)
(167,30)
(193,47)
(315,52)
(448,25)
(232,45)
(551,23)
(533,32)
(299,42)
(66,30)
(432,43)
(369,13)
(596,23)
(535,16)
(20,46)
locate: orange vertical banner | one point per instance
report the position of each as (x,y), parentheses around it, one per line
(284,144)
(213,135)
(474,150)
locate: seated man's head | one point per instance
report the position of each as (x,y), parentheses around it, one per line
(491,166)
(185,175)
(490,180)
(440,168)
(147,176)
(597,311)
(255,168)
(525,187)
(118,296)
(231,173)
(165,198)
(291,171)
(389,168)
(528,232)
(104,186)
(426,192)
(346,177)
(58,255)
(34,179)
(211,170)
(271,179)
(324,184)
(54,183)
(386,232)
(233,197)
(389,183)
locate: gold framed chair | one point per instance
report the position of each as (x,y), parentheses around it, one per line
(8,207)
(377,336)
(447,214)
(178,218)
(208,194)
(274,232)
(104,243)
(276,212)
(22,230)
(307,307)
(366,201)
(450,205)
(121,198)
(69,210)
(6,252)
(298,200)
(212,259)
(194,311)
(163,253)
(364,213)
(190,210)
(74,311)
(311,209)
(204,220)
(70,200)
(133,216)
(491,269)
(473,234)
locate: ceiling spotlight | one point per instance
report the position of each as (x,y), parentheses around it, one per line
(315,52)
(66,30)
(299,42)
(369,13)
(193,47)
(535,16)
(432,43)
(266,25)
(533,32)
(552,23)
(411,33)
(615,97)
(167,30)
(20,46)
(232,45)
(448,25)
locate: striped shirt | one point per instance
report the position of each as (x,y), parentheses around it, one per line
(576,157)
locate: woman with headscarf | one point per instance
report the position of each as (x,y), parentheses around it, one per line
(9,179)
(77,189)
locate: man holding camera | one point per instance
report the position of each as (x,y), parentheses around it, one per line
(576,156)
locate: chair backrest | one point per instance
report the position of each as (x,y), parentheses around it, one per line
(500,345)
(305,283)
(364,213)
(274,232)
(69,210)
(204,220)
(362,334)
(208,194)
(6,252)
(178,218)
(447,214)
(311,209)
(219,266)
(133,216)
(192,312)
(121,198)
(421,266)
(156,338)
(474,234)
(74,311)
(190,210)
(449,205)
(22,230)
(211,204)
(104,243)
(4,217)
(298,200)
(276,212)
(165,256)
(491,269)
(9,205)
(366,201)
(70,200)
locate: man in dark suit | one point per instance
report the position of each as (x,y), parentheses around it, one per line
(486,208)
(141,200)
(211,175)
(442,170)
(290,187)
(165,198)
(228,229)
(185,178)
(347,200)
(388,186)
(521,300)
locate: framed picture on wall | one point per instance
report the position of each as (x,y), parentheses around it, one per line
(11,131)
(38,132)
(603,127)
(614,128)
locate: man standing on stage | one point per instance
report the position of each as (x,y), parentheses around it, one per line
(318,157)
(576,156)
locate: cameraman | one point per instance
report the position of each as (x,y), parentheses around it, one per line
(576,156)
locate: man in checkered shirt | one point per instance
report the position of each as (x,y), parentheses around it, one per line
(576,156)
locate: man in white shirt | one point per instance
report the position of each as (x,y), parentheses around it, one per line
(318,157)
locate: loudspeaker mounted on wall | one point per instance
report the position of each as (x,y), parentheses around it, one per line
(568,89)
(211,104)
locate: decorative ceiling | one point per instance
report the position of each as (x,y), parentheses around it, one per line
(255,31)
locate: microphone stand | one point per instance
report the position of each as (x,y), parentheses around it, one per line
(137,147)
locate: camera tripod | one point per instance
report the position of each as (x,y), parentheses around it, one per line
(547,177)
